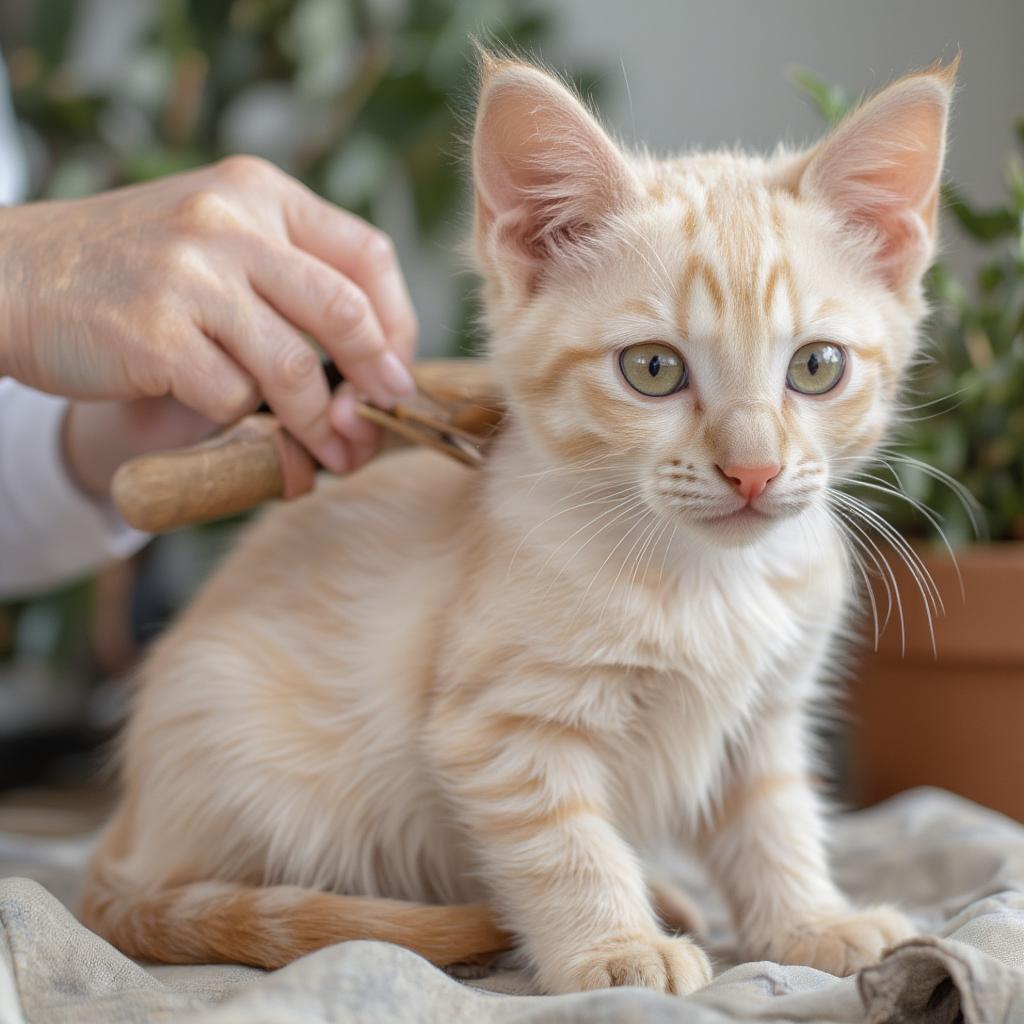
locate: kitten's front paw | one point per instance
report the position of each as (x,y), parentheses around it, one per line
(843,943)
(674,965)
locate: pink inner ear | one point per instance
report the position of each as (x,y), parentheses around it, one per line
(544,170)
(881,169)
(506,164)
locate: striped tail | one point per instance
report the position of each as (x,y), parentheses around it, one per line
(217,922)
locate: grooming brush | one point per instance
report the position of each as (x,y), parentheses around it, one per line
(456,411)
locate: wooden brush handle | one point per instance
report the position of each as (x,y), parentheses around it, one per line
(251,462)
(257,460)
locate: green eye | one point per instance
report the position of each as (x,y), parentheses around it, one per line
(653,369)
(816,368)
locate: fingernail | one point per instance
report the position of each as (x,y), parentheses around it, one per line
(335,456)
(343,414)
(395,377)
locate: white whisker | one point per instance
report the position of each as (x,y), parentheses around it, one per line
(635,510)
(883,566)
(922,578)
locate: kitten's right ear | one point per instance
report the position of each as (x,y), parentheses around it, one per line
(882,167)
(545,173)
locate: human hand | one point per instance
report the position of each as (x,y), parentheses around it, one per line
(197,286)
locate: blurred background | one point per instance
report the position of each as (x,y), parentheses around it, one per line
(367,101)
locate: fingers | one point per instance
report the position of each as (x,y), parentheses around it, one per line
(332,308)
(362,435)
(287,369)
(363,253)
(205,378)
(312,268)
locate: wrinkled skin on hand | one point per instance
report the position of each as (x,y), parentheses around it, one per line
(197,289)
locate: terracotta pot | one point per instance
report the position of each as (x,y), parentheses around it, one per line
(953,717)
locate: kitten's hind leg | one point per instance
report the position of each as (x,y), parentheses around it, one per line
(219,922)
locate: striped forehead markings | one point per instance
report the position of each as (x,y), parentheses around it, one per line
(747,223)
(697,269)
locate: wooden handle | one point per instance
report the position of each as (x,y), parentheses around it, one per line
(249,463)
(257,460)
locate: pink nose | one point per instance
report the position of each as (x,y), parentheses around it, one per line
(750,481)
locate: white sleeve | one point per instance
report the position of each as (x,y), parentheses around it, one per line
(50,532)
(13,172)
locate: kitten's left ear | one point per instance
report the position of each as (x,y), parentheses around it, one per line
(882,167)
(545,173)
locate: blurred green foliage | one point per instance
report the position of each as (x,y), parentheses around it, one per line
(965,400)
(354,96)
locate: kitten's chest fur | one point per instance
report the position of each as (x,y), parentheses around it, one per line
(735,649)
(665,672)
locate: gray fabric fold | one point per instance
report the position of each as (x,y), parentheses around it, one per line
(957,868)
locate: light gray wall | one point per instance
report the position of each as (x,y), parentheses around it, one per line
(713,72)
(705,73)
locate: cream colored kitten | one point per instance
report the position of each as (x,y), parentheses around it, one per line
(494,694)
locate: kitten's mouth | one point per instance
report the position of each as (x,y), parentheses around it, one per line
(747,514)
(741,527)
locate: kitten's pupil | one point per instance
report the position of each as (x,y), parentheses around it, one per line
(812,364)
(654,366)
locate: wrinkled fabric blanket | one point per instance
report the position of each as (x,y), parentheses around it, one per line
(958,869)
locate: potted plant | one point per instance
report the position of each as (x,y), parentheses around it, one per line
(938,695)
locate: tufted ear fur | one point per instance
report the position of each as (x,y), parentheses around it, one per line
(881,168)
(545,173)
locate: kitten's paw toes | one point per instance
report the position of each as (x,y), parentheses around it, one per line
(674,965)
(844,943)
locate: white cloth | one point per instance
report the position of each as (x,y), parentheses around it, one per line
(50,532)
(957,868)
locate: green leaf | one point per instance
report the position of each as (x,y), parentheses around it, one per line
(984,225)
(832,101)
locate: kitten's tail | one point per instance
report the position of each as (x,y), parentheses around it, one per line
(218,922)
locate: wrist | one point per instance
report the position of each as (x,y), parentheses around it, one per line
(97,437)
(88,460)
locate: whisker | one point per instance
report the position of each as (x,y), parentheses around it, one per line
(635,511)
(665,276)
(883,566)
(861,480)
(612,496)
(639,542)
(664,554)
(934,401)
(842,524)
(631,500)
(886,455)
(902,547)
(970,504)
(563,470)
(593,579)
(919,572)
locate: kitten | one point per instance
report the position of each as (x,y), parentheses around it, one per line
(494,694)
